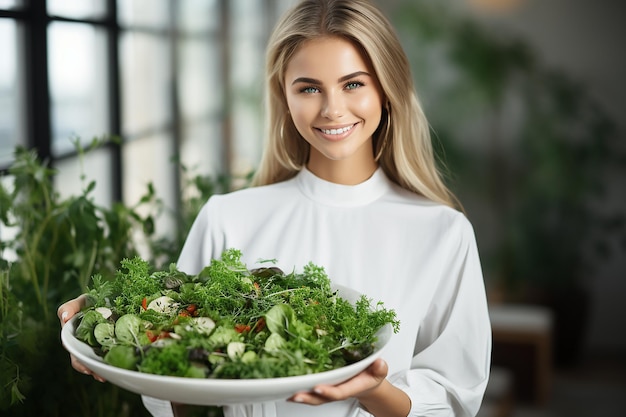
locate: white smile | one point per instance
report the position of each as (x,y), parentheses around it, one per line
(336,131)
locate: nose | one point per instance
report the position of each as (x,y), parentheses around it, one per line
(332,107)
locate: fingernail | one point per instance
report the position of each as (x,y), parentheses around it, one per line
(298,399)
(318,391)
(64,316)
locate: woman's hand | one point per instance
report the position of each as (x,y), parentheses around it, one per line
(357,386)
(370,387)
(65,312)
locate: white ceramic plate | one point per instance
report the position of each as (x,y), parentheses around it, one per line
(217,391)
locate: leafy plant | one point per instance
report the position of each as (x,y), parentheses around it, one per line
(533,156)
(527,144)
(558,230)
(52,248)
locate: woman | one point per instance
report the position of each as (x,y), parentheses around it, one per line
(348,181)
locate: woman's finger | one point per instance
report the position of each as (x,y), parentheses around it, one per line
(78,366)
(67,310)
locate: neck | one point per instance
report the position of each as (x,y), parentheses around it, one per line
(342,172)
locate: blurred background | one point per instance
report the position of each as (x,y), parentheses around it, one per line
(118,118)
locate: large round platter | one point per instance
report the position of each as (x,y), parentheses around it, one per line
(217,391)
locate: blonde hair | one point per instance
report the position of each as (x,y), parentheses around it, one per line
(402,142)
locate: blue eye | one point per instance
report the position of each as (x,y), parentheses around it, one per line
(309,90)
(354,85)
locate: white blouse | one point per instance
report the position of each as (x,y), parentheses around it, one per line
(417,257)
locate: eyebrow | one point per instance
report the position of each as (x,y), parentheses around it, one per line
(340,80)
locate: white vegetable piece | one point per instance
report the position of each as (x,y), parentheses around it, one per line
(203,325)
(235,350)
(164,304)
(105,312)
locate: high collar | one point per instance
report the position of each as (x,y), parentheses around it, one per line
(339,195)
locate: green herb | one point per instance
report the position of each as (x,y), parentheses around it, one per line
(54,244)
(228,321)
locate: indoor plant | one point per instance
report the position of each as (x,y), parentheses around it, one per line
(530,152)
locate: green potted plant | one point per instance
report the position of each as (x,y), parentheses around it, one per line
(539,181)
(50,249)
(54,247)
(558,229)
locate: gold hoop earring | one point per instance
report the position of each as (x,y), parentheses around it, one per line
(385,138)
(283,128)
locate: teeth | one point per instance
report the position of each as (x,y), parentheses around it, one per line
(336,131)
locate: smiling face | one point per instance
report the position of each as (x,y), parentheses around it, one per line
(335,102)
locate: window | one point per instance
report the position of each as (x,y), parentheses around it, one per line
(170,78)
(12,126)
(78,83)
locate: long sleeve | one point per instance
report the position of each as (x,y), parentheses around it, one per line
(450,369)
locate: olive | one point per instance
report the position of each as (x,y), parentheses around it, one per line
(267,272)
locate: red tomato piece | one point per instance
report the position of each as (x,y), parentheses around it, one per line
(240,328)
(151,336)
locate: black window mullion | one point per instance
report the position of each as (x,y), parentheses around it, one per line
(225,42)
(115,114)
(174,38)
(37,85)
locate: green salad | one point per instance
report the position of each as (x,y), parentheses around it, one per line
(227,321)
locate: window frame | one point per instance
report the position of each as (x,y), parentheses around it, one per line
(34,21)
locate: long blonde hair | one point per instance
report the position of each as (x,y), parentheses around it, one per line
(402,142)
